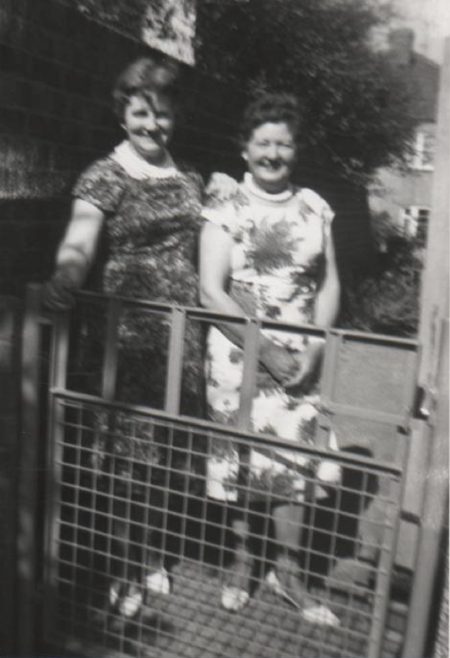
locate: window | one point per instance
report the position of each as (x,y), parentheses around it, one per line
(422,226)
(423,157)
(414,222)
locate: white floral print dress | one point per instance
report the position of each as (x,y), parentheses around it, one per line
(277,261)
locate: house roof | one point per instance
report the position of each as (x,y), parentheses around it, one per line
(420,72)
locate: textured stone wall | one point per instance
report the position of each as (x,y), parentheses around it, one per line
(57,68)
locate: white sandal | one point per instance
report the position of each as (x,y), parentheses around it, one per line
(234,598)
(127,597)
(315,614)
(158,581)
(235,592)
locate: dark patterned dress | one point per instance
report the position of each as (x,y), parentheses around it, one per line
(150,236)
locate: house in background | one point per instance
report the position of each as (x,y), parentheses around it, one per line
(401,197)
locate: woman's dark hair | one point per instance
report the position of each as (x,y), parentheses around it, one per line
(142,77)
(273,108)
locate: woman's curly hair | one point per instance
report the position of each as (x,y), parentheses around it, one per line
(273,108)
(145,76)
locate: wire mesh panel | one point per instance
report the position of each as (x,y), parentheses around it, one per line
(143,558)
(109,532)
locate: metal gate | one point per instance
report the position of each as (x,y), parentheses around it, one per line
(82,530)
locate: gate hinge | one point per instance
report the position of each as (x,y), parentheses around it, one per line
(423,403)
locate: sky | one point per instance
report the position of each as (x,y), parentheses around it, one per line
(430,20)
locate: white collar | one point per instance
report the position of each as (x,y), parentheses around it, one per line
(257,191)
(137,167)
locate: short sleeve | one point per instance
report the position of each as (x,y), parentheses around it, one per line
(221,201)
(327,215)
(197,181)
(101,184)
(320,208)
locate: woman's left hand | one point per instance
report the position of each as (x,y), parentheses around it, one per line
(221,185)
(302,381)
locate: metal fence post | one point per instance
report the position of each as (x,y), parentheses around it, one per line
(433,517)
(175,365)
(109,370)
(28,473)
(433,333)
(248,387)
(250,368)
(59,354)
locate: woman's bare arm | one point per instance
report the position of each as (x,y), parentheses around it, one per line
(215,255)
(326,307)
(75,255)
(326,310)
(80,241)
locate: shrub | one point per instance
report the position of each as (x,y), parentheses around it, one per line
(386,300)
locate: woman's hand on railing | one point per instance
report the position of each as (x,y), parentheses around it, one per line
(278,361)
(58,293)
(306,370)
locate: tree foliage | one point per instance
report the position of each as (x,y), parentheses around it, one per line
(123,15)
(355,104)
(387,300)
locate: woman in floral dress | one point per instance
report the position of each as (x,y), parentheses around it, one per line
(144,208)
(267,251)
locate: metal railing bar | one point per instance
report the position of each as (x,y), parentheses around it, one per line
(384,417)
(200,313)
(410,373)
(209,316)
(192,422)
(59,355)
(385,568)
(435,505)
(175,365)
(59,350)
(250,365)
(376,339)
(109,368)
(385,470)
(329,370)
(308,475)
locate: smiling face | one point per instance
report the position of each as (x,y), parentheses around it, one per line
(149,124)
(270,154)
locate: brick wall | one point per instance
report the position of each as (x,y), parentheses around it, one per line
(57,68)
(29,234)
(55,74)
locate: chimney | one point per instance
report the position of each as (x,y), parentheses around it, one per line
(401,43)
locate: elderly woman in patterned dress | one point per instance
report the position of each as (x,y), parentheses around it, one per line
(267,251)
(145,208)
